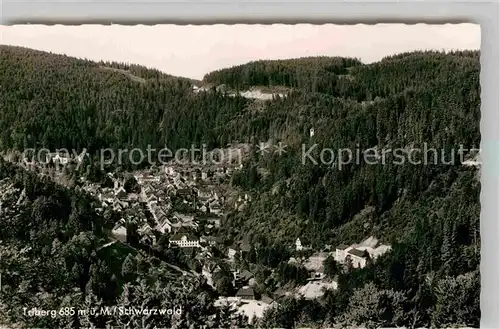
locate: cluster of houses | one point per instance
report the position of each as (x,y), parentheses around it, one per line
(177,201)
(170,200)
(246,301)
(152,209)
(59,157)
(254,93)
(359,254)
(355,254)
(317,283)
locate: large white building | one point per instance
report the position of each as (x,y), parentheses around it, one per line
(185,241)
(357,253)
(358,258)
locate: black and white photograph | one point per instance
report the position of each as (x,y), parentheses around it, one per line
(240,176)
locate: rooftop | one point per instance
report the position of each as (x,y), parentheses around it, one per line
(356,252)
(178,237)
(245,291)
(246,275)
(315,289)
(266,299)
(253,309)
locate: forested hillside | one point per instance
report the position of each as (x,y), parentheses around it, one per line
(60,102)
(439,112)
(316,74)
(429,213)
(346,77)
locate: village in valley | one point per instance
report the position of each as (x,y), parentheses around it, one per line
(184,206)
(189,205)
(234,181)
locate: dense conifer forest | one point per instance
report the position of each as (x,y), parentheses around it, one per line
(429,213)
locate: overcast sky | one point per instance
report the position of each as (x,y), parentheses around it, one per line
(192,51)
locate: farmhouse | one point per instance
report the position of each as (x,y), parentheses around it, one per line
(341,253)
(358,253)
(357,257)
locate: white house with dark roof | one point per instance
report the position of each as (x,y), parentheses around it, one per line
(358,258)
(164,224)
(120,231)
(358,252)
(341,253)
